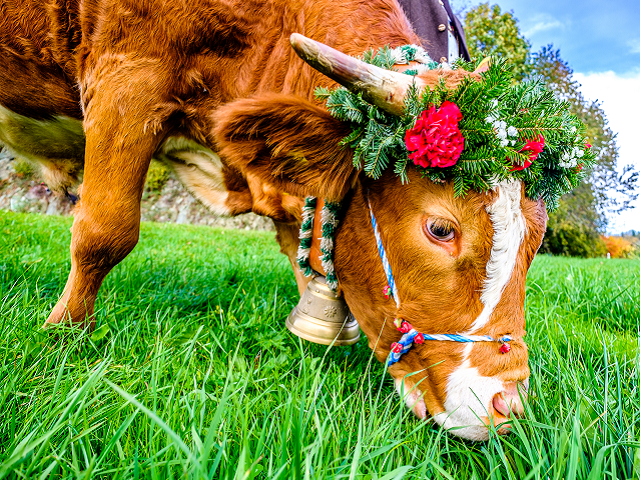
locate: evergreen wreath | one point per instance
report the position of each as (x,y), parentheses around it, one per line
(477,134)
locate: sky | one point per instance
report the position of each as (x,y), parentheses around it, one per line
(601,42)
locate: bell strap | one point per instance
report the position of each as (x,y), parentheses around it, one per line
(320,227)
(315,253)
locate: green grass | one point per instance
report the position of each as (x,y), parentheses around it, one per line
(191,373)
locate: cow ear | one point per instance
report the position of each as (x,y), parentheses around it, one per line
(286,142)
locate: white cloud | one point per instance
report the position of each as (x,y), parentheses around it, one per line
(541,23)
(620,99)
(634,45)
(541,27)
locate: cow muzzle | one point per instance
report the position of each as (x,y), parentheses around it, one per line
(474,416)
(474,404)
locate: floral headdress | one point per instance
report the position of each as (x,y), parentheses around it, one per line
(476,134)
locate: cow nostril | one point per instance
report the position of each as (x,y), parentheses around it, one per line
(510,401)
(500,405)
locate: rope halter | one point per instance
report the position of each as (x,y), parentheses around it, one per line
(410,334)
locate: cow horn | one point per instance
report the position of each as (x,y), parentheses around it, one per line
(384,88)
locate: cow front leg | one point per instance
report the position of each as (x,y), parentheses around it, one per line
(119,146)
(103,234)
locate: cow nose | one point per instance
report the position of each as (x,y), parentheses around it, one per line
(511,400)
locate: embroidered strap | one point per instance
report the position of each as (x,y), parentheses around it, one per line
(306,235)
(329,222)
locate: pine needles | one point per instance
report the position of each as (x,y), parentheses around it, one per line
(490,107)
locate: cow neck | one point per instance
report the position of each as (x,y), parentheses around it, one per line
(409,334)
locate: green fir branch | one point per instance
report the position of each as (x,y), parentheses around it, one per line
(377,137)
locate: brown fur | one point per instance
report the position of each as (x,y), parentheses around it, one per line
(222,73)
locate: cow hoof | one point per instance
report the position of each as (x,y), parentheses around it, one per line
(55,327)
(61,318)
(413,398)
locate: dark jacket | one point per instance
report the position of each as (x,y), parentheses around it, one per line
(430,20)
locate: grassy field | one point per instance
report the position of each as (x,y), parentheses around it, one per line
(191,373)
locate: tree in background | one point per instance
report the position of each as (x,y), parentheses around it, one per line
(575,227)
(619,247)
(558,75)
(583,213)
(491,32)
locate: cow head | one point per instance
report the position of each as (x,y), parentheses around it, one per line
(459,263)
(461,266)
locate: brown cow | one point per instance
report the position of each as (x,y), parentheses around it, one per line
(96,88)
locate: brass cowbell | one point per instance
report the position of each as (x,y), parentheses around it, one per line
(321,316)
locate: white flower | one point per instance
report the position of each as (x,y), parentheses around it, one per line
(504,142)
(513,142)
(512,131)
(503,124)
(572,130)
(490,119)
(494,103)
(579,153)
(502,134)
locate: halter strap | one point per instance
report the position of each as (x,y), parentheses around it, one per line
(410,334)
(392,289)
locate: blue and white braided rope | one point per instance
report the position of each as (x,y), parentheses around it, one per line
(413,336)
(383,256)
(464,338)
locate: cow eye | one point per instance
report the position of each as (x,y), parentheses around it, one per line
(440,229)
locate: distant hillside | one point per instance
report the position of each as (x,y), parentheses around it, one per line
(164,198)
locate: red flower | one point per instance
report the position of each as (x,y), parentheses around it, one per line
(581,165)
(534,148)
(435,140)
(405,327)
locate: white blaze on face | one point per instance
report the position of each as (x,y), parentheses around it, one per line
(469,397)
(469,394)
(508,233)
